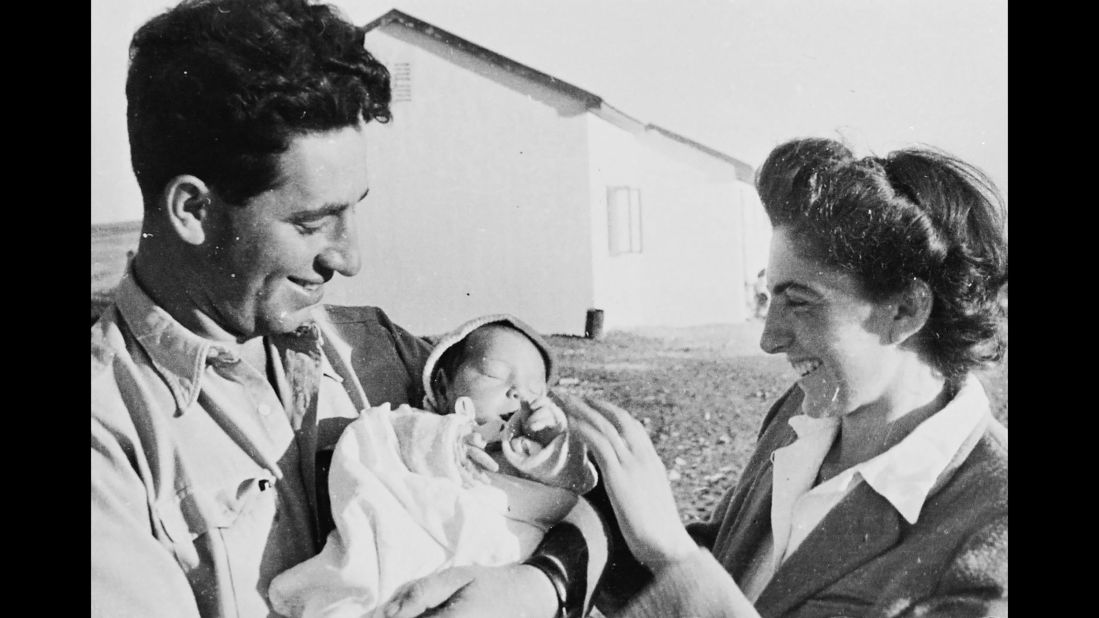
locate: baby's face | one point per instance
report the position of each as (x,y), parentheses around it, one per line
(502,368)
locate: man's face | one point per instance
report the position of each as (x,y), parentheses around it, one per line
(266,261)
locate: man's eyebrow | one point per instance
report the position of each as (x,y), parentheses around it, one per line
(316,214)
(330,209)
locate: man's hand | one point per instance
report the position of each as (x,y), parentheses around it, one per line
(515,590)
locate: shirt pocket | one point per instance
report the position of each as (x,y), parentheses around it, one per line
(194,516)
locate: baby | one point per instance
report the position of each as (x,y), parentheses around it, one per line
(477,477)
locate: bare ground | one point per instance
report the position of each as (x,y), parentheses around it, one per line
(702,392)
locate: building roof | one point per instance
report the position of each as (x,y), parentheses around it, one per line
(591,101)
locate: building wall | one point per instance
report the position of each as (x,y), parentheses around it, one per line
(696,256)
(619,281)
(479,197)
(692,266)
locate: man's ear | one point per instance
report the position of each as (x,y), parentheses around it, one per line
(187,202)
(913,309)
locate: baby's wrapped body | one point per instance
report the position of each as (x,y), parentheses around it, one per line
(406,503)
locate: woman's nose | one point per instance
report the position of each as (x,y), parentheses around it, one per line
(776,336)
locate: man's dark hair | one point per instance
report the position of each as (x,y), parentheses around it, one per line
(217,89)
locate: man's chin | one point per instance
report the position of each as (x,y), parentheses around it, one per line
(286,322)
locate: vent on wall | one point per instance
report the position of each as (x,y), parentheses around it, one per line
(401,85)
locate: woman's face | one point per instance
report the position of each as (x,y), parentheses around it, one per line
(836,340)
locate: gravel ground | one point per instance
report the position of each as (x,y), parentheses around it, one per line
(702,392)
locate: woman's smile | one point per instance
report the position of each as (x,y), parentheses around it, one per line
(805,366)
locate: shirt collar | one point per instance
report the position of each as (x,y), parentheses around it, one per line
(815,429)
(326,367)
(907,472)
(179,355)
(795,468)
(326,337)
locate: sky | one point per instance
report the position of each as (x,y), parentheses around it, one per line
(740,76)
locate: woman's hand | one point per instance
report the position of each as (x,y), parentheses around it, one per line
(637,482)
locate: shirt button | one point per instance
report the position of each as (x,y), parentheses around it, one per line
(264,409)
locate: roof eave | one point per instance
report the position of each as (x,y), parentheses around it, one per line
(591,101)
(394,16)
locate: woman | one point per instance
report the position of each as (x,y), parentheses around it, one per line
(879,483)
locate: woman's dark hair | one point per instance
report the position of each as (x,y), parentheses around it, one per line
(917,213)
(217,88)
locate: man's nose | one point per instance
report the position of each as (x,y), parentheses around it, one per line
(342,253)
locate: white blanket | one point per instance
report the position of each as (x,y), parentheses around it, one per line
(404,507)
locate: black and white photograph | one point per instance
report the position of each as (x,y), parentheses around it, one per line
(520,308)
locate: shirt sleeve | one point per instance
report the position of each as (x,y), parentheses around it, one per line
(387,359)
(696,586)
(132,573)
(413,351)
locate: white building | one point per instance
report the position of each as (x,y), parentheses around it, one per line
(498,188)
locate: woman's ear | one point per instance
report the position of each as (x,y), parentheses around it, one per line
(913,311)
(187,203)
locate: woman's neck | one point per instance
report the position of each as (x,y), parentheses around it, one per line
(870,431)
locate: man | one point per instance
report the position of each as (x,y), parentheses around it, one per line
(219,382)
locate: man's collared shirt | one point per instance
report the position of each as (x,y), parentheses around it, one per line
(904,475)
(193,444)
